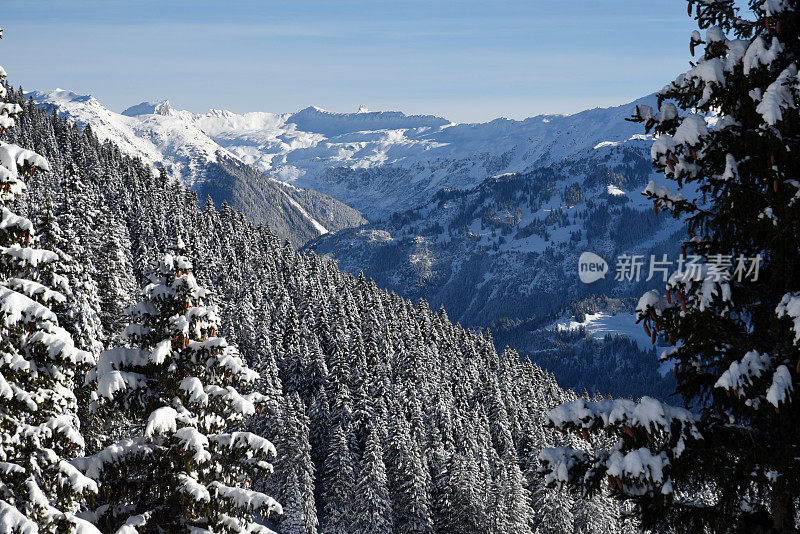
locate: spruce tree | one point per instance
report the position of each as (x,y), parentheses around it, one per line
(39,368)
(70,236)
(116,283)
(372,508)
(296,471)
(728,134)
(407,484)
(184,388)
(339,483)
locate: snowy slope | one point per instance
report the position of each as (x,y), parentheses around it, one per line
(165,137)
(176,140)
(601,323)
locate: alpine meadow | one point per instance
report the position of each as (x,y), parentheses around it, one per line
(380,322)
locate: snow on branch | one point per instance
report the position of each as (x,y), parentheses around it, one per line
(194,489)
(35,291)
(194,441)
(26,256)
(161,421)
(245,499)
(789,306)
(648,414)
(10,220)
(781,386)
(11,520)
(563,464)
(660,192)
(93,466)
(244,440)
(741,374)
(778,97)
(16,307)
(75,479)
(638,469)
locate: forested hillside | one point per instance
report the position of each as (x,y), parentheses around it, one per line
(503,256)
(386,416)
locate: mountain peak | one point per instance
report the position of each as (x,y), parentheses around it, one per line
(160,107)
(318,120)
(58,95)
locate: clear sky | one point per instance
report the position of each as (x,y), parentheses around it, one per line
(462,59)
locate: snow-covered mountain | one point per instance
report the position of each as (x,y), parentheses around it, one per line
(384,162)
(163,138)
(175,140)
(376,162)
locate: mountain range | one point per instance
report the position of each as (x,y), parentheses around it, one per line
(175,142)
(378,163)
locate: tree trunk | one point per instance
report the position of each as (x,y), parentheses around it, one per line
(783,511)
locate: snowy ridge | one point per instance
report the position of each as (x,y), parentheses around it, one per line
(85,109)
(317,120)
(164,137)
(194,149)
(378,162)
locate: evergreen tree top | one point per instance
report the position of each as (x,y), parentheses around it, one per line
(192,385)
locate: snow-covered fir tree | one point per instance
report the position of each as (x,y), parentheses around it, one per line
(183,387)
(40,489)
(339,483)
(66,230)
(371,507)
(728,133)
(296,470)
(116,284)
(406,478)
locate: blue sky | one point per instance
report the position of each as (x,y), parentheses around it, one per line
(462,59)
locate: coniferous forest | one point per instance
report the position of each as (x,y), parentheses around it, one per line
(384,416)
(169,366)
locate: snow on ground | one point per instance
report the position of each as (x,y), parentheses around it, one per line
(614,191)
(602,323)
(317,226)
